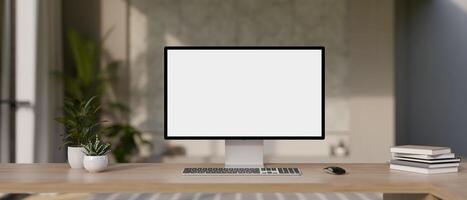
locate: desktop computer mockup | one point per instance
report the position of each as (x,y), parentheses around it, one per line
(244,95)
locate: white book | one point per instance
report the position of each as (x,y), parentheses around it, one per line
(418,149)
(426,157)
(423,170)
(424,165)
(449,160)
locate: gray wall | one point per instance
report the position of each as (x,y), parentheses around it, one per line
(156,23)
(432,73)
(358,36)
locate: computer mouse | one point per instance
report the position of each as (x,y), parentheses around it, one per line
(334,170)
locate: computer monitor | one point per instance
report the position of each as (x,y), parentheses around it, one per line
(244,95)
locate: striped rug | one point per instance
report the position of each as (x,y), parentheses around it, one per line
(194,196)
(237,196)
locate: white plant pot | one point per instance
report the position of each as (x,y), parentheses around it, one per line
(95,163)
(75,157)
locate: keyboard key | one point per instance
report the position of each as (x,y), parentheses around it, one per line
(296,170)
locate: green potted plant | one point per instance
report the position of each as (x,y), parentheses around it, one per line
(95,159)
(81,124)
(84,77)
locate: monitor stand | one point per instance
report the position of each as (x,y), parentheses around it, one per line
(244,153)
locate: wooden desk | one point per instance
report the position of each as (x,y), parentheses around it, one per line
(17,178)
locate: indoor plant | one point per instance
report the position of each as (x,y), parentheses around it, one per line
(95,159)
(88,72)
(81,123)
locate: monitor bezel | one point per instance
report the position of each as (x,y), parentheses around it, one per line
(321,48)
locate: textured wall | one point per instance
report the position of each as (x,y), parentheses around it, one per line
(156,23)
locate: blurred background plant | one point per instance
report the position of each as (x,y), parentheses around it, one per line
(88,77)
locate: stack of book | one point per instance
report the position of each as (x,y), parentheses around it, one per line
(424,159)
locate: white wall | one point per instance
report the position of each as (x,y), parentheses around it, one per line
(371,58)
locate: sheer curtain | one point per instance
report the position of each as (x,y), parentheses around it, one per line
(38,52)
(6,72)
(49,93)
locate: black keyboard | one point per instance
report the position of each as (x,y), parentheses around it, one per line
(242,172)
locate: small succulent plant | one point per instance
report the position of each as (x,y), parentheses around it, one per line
(96,148)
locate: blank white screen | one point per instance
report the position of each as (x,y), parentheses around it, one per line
(244,93)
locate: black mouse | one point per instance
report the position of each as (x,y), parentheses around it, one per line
(334,170)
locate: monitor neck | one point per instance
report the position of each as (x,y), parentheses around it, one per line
(244,153)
